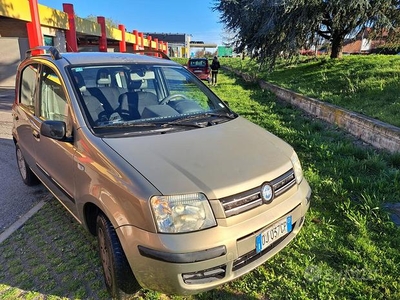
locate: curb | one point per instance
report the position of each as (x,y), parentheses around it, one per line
(374,132)
(10,230)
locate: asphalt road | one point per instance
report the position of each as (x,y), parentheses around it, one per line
(16,199)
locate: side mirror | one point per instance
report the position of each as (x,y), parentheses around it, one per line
(54,130)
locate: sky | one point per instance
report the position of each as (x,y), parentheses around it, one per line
(194,17)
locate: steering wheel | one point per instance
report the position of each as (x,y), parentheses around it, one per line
(172,97)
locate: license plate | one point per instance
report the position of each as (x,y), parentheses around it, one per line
(273,233)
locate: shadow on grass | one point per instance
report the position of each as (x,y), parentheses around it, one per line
(53,256)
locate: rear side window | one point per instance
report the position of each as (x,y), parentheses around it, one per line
(28,87)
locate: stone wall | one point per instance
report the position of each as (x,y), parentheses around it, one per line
(379,134)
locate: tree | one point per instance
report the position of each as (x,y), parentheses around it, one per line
(109,22)
(267,29)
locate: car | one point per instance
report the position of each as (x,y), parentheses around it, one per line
(182,193)
(200,67)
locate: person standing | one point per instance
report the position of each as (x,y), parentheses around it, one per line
(215,65)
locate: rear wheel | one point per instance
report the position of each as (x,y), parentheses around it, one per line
(118,275)
(27,175)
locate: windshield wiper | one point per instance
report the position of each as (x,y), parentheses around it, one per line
(204,115)
(185,121)
(181,121)
(126,124)
(177,123)
(224,115)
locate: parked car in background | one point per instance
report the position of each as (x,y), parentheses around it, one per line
(182,193)
(200,67)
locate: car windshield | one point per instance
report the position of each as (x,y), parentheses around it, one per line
(131,97)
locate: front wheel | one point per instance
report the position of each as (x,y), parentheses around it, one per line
(118,275)
(27,175)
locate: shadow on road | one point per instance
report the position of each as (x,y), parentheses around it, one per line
(16,198)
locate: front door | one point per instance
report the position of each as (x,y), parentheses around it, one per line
(54,158)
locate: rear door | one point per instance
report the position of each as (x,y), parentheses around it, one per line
(25,112)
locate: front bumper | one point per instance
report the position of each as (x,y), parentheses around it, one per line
(185,264)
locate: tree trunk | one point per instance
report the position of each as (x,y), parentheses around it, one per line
(337,46)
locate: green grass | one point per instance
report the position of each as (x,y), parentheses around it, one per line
(50,257)
(347,249)
(365,84)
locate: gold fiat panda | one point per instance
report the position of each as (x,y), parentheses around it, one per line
(182,193)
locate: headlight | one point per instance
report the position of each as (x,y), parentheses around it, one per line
(298,172)
(182,213)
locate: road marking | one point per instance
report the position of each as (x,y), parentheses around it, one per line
(10,230)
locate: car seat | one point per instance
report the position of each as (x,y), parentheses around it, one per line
(144,98)
(94,107)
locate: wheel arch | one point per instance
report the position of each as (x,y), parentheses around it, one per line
(90,213)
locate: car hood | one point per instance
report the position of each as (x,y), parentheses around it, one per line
(218,160)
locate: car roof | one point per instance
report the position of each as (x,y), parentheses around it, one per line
(111,57)
(80,58)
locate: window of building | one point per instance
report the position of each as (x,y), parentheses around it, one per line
(48,40)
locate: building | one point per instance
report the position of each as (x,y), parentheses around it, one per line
(26,24)
(363,44)
(178,43)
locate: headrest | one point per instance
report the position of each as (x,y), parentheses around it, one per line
(104,81)
(103,77)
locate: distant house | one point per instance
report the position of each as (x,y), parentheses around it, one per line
(363,44)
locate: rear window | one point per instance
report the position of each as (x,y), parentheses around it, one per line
(197,63)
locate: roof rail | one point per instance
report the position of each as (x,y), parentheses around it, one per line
(54,53)
(162,54)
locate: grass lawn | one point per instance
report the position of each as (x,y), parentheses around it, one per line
(367,84)
(347,249)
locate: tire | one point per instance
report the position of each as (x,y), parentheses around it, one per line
(25,171)
(118,276)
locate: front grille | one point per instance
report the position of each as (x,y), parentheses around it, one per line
(205,276)
(253,255)
(239,203)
